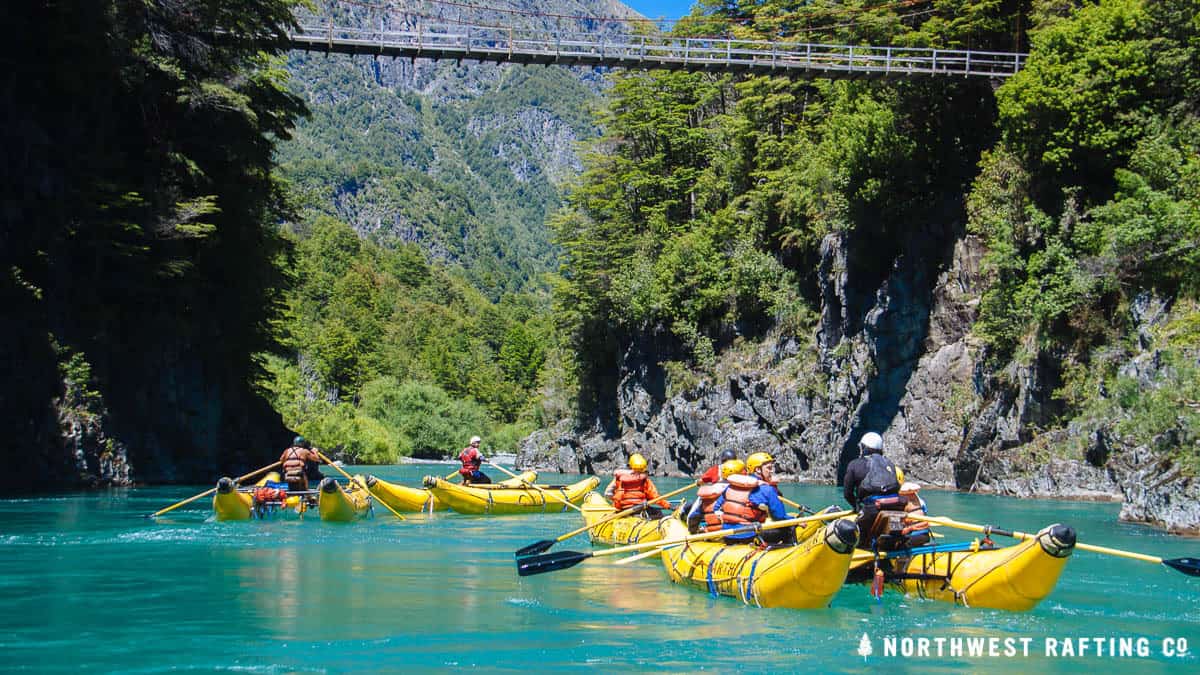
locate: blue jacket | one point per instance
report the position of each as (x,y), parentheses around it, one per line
(763,494)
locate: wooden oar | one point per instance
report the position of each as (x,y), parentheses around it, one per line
(189,500)
(540,564)
(545,495)
(1189,566)
(352,479)
(545,544)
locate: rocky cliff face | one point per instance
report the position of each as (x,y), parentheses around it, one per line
(896,356)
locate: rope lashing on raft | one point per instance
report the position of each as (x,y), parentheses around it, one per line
(712,562)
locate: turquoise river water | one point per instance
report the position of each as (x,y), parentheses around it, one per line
(87,583)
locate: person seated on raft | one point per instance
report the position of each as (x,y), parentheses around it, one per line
(702,508)
(472,460)
(713,474)
(748,500)
(872,484)
(631,487)
(295,462)
(915,532)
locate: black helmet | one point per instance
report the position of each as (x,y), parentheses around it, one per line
(299,441)
(727,455)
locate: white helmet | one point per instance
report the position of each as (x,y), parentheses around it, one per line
(475,440)
(871,441)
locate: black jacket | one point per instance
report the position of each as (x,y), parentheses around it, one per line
(856,471)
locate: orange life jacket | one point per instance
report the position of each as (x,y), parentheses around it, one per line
(912,527)
(630,489)
(737,509)
(293,465)
(707,494)
(262,495)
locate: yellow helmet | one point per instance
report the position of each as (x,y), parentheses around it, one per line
(637,462)
(731,467)
(756,460)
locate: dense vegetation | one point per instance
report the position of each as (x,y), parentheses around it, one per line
(1091,203)
(137,252)
(400,356)
(702,208)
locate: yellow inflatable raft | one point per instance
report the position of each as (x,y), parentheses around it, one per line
(803,576)
(619,532)
(339,504)
(404,498)
(231,504)
(1013,578)
(506,500)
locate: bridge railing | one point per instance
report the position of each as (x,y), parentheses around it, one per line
(654,51)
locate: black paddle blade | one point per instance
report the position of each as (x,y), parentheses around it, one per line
(1189,566)
(535,548)
(550,562)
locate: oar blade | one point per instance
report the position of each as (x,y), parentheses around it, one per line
(550,562)
(535,548)
(1189,566)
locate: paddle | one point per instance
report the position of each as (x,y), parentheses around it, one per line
(550,562)
(545,495)
(189,500)
(545,544)
(1189,566)
(352,479)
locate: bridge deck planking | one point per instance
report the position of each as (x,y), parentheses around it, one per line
(460,43)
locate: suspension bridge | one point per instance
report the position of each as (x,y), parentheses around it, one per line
(464,41)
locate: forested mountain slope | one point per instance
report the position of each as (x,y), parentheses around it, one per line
(420,309)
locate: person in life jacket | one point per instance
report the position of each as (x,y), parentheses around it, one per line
(713,474)
(916,531)
(706,498)
(750,499)
(472,460)
(631,487)
(872,484)
(296,460)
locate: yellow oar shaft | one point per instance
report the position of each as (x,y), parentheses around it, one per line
(791,522)
(545,495)
(621,514)
(209,491)
(1025,535)
(1119,553)
(355,481)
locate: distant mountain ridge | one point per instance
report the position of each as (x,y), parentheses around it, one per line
(465,160)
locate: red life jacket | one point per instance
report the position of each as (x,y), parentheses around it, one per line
(471,460)
(737,509)
(707,494)
(293,465)
(630,489)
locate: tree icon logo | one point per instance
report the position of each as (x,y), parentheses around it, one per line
(864,647)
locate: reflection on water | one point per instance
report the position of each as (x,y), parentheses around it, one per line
(84,580)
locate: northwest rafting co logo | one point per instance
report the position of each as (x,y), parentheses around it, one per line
(1021,647)
(864,647)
